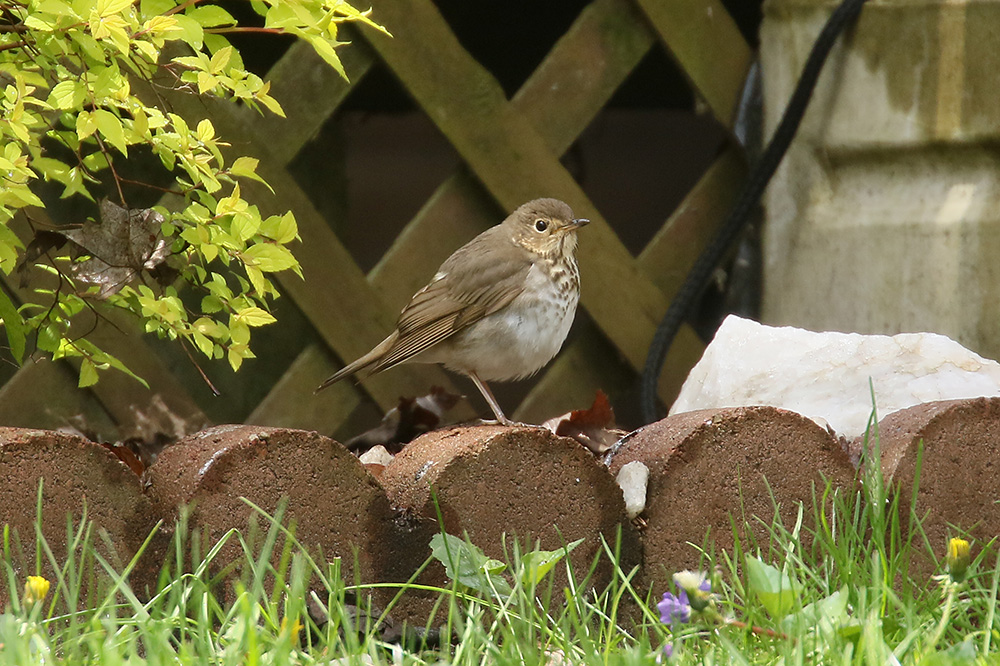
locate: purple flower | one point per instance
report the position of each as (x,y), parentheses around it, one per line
(676,608)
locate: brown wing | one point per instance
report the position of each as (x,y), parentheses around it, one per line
(469,290)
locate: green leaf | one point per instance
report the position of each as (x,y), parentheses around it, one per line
(108,83)
(255,316)
(109,7)
(211,16)
(206,82)
(88,373)
(209,251)
(56,7)
(538,563)
(111,129)
(324,49)
(828,615)
(239,332)
(90,46)
(96,161)
(269,257)
(204,345)
(191,31)
(282,229)
(35,23)
(210,304)
(236,355)
(260,283)
(272,104)
(150,8)
(103,358)
(244,166)
(9,244)
(777,591)
(86,124)
(245,226)
(50,168)
(220,59)
(68,94)
(13,324)
(282,15)
(469,566)
(48,338)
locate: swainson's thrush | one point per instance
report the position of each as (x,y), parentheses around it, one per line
(499,308)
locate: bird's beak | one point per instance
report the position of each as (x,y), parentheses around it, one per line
(577,223)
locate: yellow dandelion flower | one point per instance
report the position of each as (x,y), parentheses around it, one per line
(35,589)
(958,559)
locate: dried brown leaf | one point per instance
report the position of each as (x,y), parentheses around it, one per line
(411,418)
(125,242)
(127,457)
(594,427)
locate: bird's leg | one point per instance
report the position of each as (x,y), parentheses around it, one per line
(488,394)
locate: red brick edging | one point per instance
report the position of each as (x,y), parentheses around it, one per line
(491,480)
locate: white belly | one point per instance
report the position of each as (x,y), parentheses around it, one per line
(515,342)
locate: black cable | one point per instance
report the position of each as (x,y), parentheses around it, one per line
(696,280)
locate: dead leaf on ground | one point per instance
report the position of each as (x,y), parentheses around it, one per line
(155,427)
(126,456)
(594,427)
(402,424)
(143,437)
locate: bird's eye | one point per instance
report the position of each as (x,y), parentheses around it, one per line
(541,225)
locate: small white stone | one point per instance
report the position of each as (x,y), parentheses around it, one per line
(825,376)
(377,455)
(633,478)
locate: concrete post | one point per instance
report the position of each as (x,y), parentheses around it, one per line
(885,216)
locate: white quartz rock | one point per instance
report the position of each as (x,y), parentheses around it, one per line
(825,376)
(633,478)
(377,455)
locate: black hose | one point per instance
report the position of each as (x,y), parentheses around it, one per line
(843,16)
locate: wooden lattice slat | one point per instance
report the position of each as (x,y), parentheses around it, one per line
(290,402)
(44,395)
(705,41)
(309,91)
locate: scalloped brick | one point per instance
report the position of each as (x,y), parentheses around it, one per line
(708,465)
(77,473)
(492,480)
(337,506)
(958,476)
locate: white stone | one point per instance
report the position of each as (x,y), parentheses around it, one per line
(827,376)
(633,478)
(377,455)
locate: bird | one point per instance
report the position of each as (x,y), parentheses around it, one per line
(498,309)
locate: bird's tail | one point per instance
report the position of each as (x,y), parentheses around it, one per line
(360,365)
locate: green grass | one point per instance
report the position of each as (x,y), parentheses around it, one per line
(848,599)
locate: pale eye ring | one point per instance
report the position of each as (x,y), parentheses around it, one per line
(541,225)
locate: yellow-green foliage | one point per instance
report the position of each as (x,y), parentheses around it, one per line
(69,71)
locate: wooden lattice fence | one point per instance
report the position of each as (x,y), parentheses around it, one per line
(511,149)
